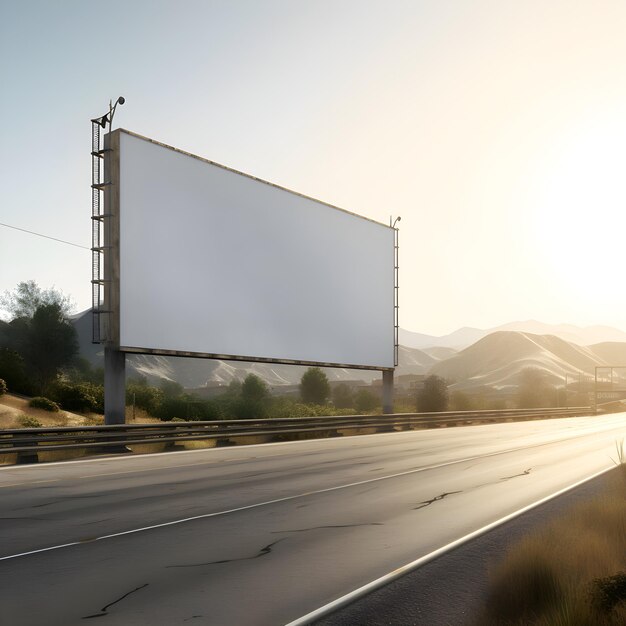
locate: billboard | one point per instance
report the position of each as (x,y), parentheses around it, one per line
(211,262)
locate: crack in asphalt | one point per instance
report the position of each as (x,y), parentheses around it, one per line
(38,506)
(29,519)
(104,609)
(425,503)
(262,552)
(98,521)
(524,473)
(303,530)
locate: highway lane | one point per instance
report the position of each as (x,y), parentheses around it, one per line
(283,529)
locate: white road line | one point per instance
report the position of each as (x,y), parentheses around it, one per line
(152,469)
(348,598)
(139,457)
(135,471)
(247,458)
(31,482)
(260,504)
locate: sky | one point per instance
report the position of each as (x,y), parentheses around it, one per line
(495,129)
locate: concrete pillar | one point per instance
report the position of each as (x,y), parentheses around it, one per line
(387,391)
(114,386)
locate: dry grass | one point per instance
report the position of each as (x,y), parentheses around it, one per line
(13,407)
(548,578)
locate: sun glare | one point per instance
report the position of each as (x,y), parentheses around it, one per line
(580,207)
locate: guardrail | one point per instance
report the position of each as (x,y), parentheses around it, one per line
(27,442)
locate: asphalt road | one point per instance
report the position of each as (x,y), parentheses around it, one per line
(265,534)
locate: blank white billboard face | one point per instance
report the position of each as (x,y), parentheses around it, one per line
(215,262)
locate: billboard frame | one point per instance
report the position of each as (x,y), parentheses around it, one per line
(107,317)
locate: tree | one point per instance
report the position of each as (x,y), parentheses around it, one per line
(28,297)
(52,343)
(343,398)
(365,401)
(47,342)
(433,397)
(39,331)
(170,388)
(534,390)
(460,401)
(314,386)
(13,371)
(253,401)
(253,389)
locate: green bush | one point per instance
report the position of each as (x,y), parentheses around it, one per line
(291,407)
(40,402)
(188,408)
(343,398)
(3,387)
(26,421)
(250,409)
(81,397)
(13,372)
(147,398)
(365,401)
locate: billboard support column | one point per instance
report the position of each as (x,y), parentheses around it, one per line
(114,386)
(387,392)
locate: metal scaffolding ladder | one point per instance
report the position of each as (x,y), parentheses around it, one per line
(396,291)
(97,232)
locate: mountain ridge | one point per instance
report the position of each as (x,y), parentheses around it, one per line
(467,335)
(494,360)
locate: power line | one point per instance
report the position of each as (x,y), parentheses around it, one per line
(30,232)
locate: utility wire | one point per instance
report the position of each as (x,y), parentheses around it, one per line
(30,232)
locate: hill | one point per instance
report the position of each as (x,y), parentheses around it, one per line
(194,373)
(464,337)
(611,352)
(498,359)
(495,359)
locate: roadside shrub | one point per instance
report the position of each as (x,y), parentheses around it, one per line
(247,408)
(342,395)
(523,590)
(291,407)
(3,387)
(26,421)
(571,571)
(204,410)
(365,401)
(170,408)
(40,402)
(81,397)
(187,408)
(147,398)
(608,592)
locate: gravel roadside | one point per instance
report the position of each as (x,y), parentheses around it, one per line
(449,590)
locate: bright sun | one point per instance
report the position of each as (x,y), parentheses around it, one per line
(580,208)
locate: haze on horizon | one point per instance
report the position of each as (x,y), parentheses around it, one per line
(495,129)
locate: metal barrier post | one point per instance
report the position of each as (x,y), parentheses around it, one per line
(387,392)
(114,386)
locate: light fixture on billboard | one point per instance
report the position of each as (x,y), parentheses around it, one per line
(107,118)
